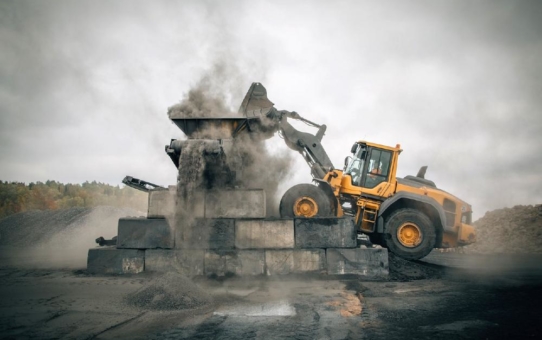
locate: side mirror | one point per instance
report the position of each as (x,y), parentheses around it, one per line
(354,148)
(346,161)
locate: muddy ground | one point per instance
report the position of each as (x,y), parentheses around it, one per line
(46,293)
(445,296)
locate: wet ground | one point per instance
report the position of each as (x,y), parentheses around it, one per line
(466,297)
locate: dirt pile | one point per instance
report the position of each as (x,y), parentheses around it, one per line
(509,230)
(56,238)
(35,228)
(171,291)
(404,270)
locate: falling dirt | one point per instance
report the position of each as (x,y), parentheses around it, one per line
(246,162)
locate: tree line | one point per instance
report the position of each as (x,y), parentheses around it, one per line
(17,197)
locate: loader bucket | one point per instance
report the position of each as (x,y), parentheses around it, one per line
(218,128)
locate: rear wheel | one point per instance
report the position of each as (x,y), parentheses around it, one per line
(409,233)
(306,200)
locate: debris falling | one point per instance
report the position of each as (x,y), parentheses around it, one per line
(203,165)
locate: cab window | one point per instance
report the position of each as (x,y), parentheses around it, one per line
(378,168)
(355,166)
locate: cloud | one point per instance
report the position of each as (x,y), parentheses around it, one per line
(85,86)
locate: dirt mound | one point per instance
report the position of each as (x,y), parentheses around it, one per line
(509,230)
(56,238)
(404,270)
(34,228)
(171,291)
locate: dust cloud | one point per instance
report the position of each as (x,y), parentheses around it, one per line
(57,239)
(248,163)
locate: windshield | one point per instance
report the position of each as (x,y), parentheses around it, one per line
(355,165)
(378,168)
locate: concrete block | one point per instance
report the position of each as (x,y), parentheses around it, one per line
(205,234)
(191,208)
(264,234)
(161,203)
(325,233)
(280,262)
(370,262)
(188,262)
(238,262)
(109,260)
(240,203)
(142,233)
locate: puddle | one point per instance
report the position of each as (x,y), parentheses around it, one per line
(236,292)
(407,290)
(272,308)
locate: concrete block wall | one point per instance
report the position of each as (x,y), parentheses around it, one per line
(219,247)
(142,233)
(264,234)
(239,203)
(109,260)
(215,233)
(234,238)
(288,261)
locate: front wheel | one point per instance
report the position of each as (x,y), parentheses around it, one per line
(306,200)
(409,233)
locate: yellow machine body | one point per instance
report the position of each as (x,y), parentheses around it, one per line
(452,223)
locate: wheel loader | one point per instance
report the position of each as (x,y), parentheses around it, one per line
(410,216)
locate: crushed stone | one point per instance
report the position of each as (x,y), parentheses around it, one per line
(405,270)
(170,291)
(32,228)
(516,230)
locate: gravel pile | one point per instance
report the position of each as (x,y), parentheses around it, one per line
(404,270)
(171,291)
(32,228)
(509,230)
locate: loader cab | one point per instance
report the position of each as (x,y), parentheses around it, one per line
(371,164)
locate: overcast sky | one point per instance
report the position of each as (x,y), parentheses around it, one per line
(85,85)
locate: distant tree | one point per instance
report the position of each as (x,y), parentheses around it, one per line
(51,195)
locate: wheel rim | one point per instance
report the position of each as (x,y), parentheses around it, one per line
(306,207)
(409,235)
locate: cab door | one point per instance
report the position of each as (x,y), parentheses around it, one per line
(376,177)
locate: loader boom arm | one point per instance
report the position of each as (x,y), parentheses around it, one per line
(308,145)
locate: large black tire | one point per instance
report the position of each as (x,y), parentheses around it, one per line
(324,203)
(413,219)
(377,238)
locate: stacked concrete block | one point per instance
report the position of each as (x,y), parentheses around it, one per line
(142,233)
(226,233)
(161,203)
(192,208)
(205,234)
(370,262)
(264,234)
(325,233)
(189,262)
(288,261)
(239,203)
(237,262)
(108,260)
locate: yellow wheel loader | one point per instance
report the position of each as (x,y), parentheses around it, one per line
(410,216)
